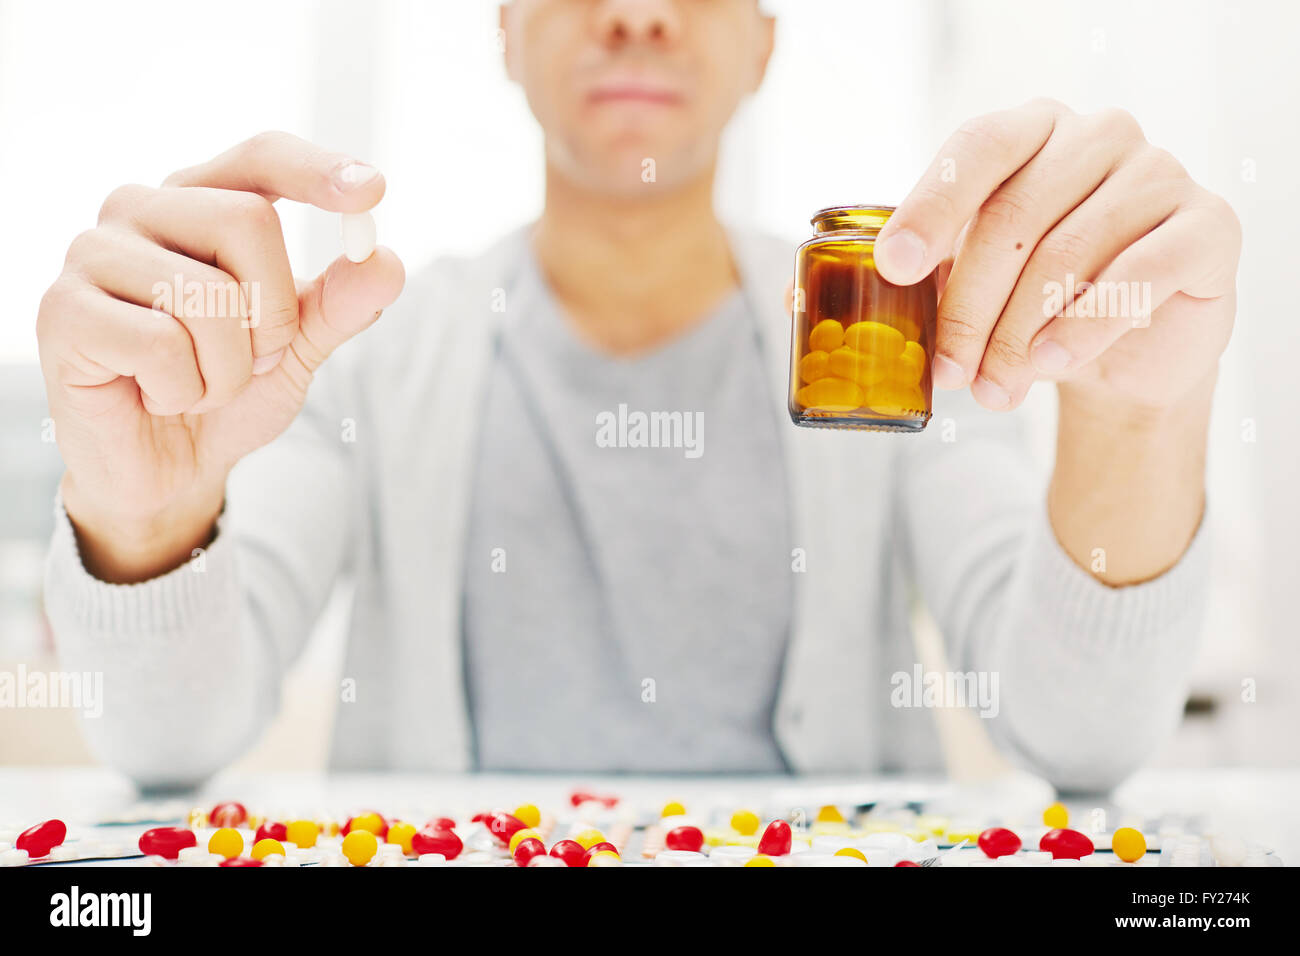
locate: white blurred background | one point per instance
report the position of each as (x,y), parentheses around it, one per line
(859,96)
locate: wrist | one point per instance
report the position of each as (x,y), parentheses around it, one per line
(125,549)
(1096,407)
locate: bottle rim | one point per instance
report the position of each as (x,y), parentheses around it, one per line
(852,217)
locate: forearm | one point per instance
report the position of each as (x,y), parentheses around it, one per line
(1128,490)
(186,683)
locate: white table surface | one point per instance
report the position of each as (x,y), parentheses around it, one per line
(1258,805)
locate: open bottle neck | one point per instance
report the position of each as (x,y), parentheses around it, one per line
(865,220)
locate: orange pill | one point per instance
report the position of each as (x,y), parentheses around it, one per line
(908,326)
(860,367)
(876,338)
(813,366)
(911,364)
(826,336)
(891,397)
(831,394)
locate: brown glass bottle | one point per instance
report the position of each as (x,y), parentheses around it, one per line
(861,347)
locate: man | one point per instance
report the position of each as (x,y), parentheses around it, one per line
(528,598)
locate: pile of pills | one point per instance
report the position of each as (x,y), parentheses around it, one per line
(601,830)
(868,364)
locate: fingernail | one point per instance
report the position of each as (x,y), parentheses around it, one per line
(353,175)
(264,363)
(903,255)
(990,395)
(947,373)
(1049,357)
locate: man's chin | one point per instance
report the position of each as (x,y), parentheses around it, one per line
(639,171)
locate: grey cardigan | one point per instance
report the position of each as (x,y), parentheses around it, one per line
(372,481)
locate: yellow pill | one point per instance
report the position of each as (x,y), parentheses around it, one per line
(880,826)
(520,835)
(813,366)
(589,838)
(853,852)
(302,833)
(197,819)
(826,336)
(894,398)
(745,822)
(831,394)
(876,338)
(910,328)
(759,860)
(1129,845)
(673,809)
(368,821)
(910,364)
(932,825)
(858,366)
(828,828)
(1056,816)
(402,834)
(360,846)
(604,858)
(226,842)
(528,815)
(264,848)
(830,814)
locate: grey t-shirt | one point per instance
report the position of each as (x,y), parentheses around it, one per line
(627,592)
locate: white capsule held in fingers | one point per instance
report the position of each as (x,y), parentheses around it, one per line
(357,230)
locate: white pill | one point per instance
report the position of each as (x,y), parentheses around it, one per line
(1228,850)
(357,230)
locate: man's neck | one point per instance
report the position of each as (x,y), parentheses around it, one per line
(631,272)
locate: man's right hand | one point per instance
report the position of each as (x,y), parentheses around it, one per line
(155,395)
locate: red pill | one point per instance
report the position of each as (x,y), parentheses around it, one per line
(1065,844)
(503,826)
(570,851)
(998,841)
(906,863)
(240,861)
(42,838)
(528,848)
(776,839)
(437,840)
(442,823)
(228,814)
(598,847)
(481,817)
(167,841)
(579,797)
(271,831)
(690,838)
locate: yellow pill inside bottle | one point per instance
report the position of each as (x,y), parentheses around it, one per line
(832,395)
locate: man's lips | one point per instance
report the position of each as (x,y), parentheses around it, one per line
(634,92)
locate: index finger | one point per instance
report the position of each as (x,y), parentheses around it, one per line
(977,159)
(276,165)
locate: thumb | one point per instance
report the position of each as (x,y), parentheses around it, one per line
(340,302)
